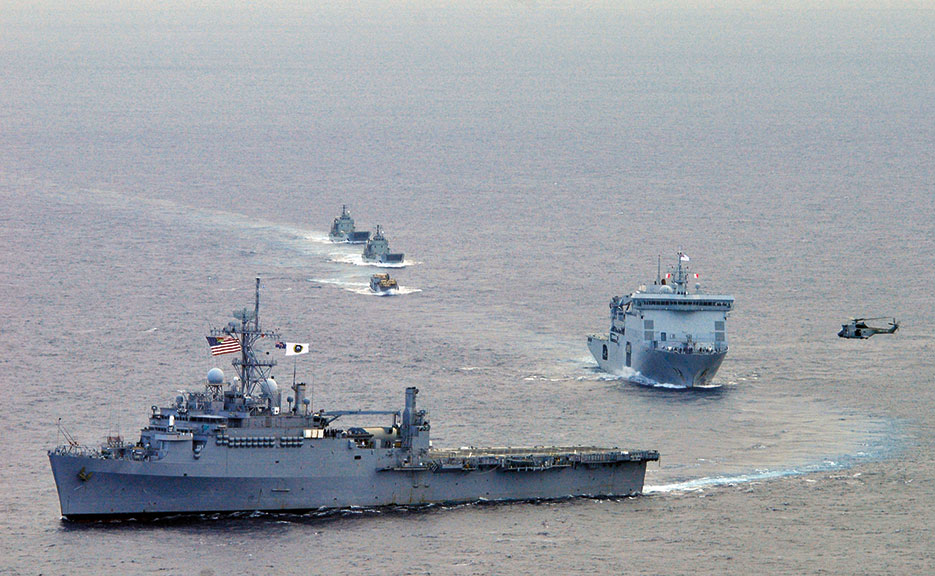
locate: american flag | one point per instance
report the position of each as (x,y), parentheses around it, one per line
(223,345)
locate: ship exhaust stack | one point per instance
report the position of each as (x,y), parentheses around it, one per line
(409,415)
(409,429)
(299,396)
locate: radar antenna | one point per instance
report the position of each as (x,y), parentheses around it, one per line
(250,369)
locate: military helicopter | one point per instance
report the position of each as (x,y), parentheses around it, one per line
(858,328)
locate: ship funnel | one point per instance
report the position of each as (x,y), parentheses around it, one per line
(407,426)
(299,396)
(410,412)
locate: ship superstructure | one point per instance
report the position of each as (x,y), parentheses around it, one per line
(234,447)
(663,334)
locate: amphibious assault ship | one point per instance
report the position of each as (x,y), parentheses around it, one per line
(665,335)
(232,447)
(378,250)
(342,229)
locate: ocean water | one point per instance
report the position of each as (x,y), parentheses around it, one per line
(532,160)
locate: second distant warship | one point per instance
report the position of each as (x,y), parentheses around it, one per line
(665,335)
(378,250)
(342,229)
(234,447)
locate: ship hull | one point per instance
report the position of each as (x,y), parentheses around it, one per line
(94,488)
(389,258)
(658,366)
(350,238)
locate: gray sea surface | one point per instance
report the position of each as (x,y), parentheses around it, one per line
(532,160)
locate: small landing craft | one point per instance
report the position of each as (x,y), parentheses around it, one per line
(859,328)
(383,284)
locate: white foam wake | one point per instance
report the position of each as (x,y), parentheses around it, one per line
(318,238)
(759,475)
(364,287)
(358,260)
(630,375)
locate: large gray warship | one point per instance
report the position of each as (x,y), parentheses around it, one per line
(234,448)
(665,335)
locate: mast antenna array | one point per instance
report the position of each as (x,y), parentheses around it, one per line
(251,369)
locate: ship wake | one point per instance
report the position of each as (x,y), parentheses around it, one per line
(628,375)
(363,288)
(881,440)
(699,484)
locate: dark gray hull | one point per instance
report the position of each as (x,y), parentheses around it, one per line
(360,237)
(328,475)
(385,258)
(681,369)
(660,366)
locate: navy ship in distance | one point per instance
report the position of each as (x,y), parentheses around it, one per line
(342,229)
(378,250)
(233,447)
(664,334)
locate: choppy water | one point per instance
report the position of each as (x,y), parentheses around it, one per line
(531,160)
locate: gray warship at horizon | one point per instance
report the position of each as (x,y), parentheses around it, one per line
(344,231)
(232,448)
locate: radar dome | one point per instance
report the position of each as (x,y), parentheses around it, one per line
(269,386)
(215,376)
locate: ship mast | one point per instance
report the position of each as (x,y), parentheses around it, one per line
(681,275)
(251,370)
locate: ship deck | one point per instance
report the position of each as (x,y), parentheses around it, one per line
(532,458)
(470,451)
